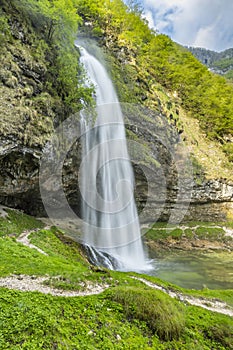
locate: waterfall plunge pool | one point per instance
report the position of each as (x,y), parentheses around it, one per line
(194,269)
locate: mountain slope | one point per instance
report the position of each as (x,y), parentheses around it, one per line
(218,62)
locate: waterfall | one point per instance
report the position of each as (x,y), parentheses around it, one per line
(111,225)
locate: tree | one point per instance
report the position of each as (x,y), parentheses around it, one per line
(61,17)
(135,6)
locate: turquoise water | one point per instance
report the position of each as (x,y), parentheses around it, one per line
(194,270)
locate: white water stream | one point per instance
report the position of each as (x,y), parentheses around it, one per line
(111,223)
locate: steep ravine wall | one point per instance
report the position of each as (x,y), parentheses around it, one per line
(176,189)
(211,200)
(27,116)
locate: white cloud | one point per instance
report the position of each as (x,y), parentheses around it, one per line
(150,18)
(205,23)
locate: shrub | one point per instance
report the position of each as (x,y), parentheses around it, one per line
(163,316)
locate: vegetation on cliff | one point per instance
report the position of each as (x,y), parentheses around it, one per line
(41,80)
(142,62)
(148,59)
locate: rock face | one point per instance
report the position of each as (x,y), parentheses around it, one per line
(162,175)
(211,201)
(29,109)
(27,112)
(19,176)
(166,188)
(156,159)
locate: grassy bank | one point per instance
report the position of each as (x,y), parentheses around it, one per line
(128,315)
(161,231)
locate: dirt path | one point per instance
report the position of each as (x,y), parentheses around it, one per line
(23,238)
(35,283)
(3,212)
(25,283)
(216,306)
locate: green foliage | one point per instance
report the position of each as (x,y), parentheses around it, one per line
(53,242)
(229,75)
(157,234)
(122,23)
(217,328)
(34,321)
(56,19)
(228,149)
(163,315)
(62,19)
(224,63)
(206,95)
(18,259)
(212,233)
(140,58)
(64,265)
(56,24)
(5,33)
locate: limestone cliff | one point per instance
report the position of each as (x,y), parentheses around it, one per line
(31,107)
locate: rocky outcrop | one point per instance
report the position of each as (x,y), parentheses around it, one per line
(19,176)
(166,188)
(27,114)
(153,149)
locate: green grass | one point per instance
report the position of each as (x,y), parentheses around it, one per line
(190,230)
(19,259)
(65,266)
(164,316)
(107,321)
(129,315)
(35,321)
(16,222)
(210,326)
(157,234)
(55,243)
(211,233)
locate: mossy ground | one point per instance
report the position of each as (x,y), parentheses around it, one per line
(129,315)
(190,230)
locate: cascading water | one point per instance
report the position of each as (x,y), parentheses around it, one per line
(111,223)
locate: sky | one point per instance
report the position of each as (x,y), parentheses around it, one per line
(200,23)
